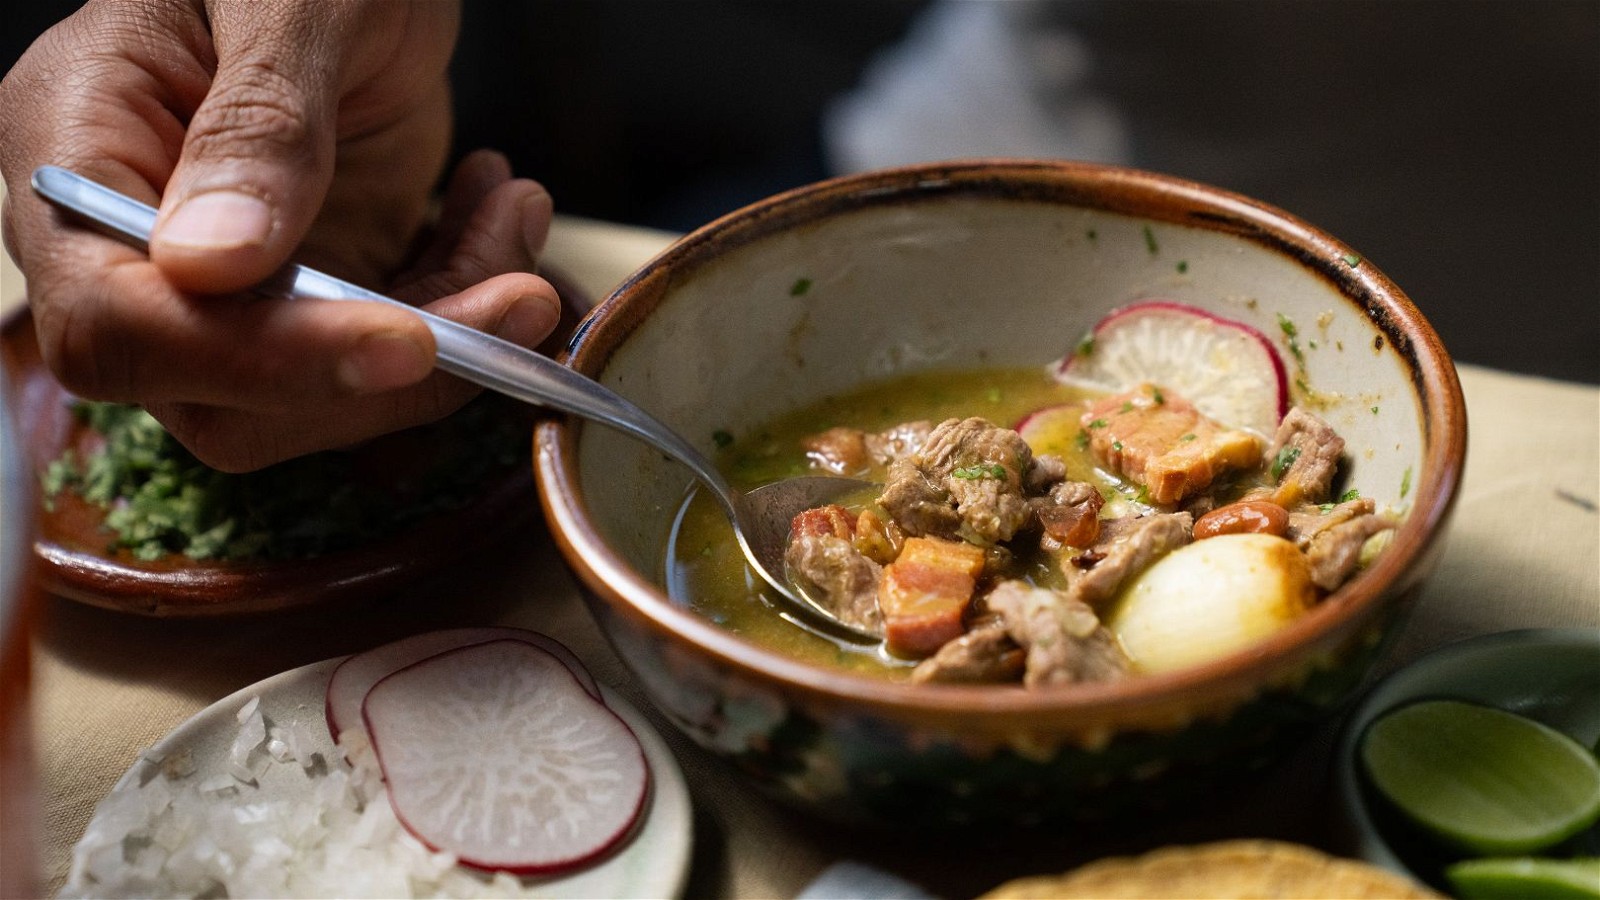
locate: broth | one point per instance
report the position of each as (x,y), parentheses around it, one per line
(705,569)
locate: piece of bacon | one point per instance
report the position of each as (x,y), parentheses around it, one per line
(1157,439)
(925,593)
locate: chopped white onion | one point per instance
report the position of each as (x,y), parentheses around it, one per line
(173,833)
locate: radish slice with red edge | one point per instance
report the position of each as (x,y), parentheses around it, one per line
(351,679)
(1227,369)
(1052,430)
(493,752)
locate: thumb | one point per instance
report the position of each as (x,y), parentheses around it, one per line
(255,167)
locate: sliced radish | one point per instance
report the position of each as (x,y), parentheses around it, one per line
(1228,370)
(493,752)
(351,679)
(1052,430)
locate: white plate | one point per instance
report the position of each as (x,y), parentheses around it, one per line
(655,863)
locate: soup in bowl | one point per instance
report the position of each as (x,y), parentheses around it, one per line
(1116,417)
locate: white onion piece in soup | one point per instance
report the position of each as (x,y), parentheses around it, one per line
(1209,599)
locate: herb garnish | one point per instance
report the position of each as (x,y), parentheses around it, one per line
(1405,483)
(971,473)
(1150,241)
(1085,345)
(1284,460)
(1292,333)
(722,439)
(159,500)
(1349,495)
(1082,439)
(800,286)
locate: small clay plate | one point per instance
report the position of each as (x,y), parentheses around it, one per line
(71,547)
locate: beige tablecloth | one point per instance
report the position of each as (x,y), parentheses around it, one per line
(1524,551)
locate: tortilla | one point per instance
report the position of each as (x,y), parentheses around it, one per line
(1242,870)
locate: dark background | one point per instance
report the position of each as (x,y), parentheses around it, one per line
(1456,144)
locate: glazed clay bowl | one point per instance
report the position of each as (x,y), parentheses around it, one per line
(963,265)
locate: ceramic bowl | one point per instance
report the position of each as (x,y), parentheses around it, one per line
(967,264)
(1551,675)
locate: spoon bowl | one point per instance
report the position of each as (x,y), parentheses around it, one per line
(762,527)
(760,518)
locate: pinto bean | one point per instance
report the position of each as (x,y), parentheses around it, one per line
(1243,517)
(878,537)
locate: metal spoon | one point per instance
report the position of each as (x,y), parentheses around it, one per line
(760,518)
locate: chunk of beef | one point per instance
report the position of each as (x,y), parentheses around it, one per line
(1335,554)
(1332,536)
(965,481)
(852,451)
(1063,639)
(1070,513)
(824,562)
(1304,457)
(1045,472)
(1309,520)
(1155,438)
(1127,546)
(986,654)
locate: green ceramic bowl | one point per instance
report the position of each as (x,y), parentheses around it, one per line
(1551,675)
(961,265)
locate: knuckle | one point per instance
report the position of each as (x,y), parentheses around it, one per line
(78,350)
(255,107)
(217,437)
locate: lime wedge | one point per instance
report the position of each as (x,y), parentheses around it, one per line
(1482,779)
(1526,879)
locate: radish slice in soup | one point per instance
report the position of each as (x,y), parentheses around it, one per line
(495,753)
(1053,430)
(351,679)
(1228,370)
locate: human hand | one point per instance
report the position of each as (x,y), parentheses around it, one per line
(263,129)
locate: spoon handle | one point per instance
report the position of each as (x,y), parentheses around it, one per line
(466,352)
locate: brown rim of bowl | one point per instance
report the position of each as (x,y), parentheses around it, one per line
(1132,192)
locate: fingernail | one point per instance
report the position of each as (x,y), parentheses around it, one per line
(219,220)
(383,361)
(527,322)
